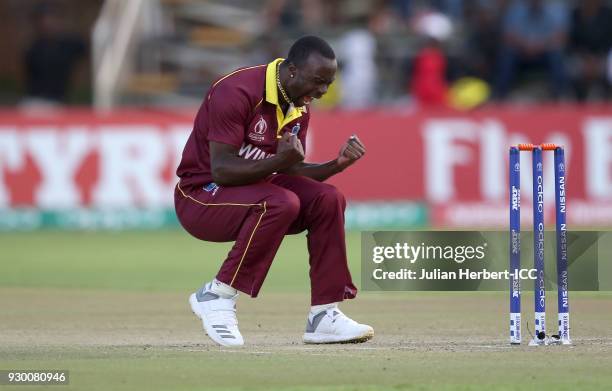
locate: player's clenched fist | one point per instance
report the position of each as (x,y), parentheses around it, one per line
(290,149)
(351,151)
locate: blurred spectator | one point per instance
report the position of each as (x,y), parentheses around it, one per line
(405,9)
(451,8)
(484,30)
(300,15)
(534,36)
(383,19)
(428,83)
(51,58)
(357,51)
(590,42)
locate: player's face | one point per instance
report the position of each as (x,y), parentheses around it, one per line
(311,79)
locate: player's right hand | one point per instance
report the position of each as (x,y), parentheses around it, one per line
(290,149)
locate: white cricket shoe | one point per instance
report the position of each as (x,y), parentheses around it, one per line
(332,326)
(218,316)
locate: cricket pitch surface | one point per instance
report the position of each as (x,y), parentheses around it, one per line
(126,340)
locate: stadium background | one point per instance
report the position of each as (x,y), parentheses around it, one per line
(98,148)
(95,268)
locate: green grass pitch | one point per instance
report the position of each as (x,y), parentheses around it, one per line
(112,309)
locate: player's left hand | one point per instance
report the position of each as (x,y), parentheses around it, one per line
(351,151)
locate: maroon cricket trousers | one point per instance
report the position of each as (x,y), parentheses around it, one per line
(258,216)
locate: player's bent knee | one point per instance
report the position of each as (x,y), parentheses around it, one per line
(285,203)
(330,195)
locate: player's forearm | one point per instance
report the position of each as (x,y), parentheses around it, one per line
(317,171)
(236,171)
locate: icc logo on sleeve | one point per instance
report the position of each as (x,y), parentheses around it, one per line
(259,130)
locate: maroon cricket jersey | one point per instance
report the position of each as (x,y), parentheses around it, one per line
(240,109)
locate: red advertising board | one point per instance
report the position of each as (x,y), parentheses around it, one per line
(456,162)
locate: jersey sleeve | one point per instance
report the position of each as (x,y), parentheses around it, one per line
(228,109)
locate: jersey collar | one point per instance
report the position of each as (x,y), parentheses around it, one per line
(272,97)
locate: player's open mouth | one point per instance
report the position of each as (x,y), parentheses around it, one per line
(307,99)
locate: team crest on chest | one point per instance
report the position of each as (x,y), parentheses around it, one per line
(259,130)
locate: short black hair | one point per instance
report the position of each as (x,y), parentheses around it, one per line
(303,47)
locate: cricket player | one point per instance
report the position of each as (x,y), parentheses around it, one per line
(243,178)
